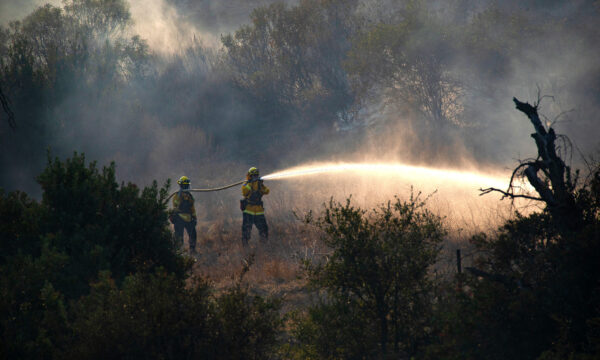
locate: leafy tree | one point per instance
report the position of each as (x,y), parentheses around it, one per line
(293,56)
(54,53)
(103,16)
(411,61)
(375,280)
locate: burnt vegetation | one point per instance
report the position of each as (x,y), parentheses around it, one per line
(89,267)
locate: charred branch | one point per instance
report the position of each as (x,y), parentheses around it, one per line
(539,186)
(531,112)
(557,190)
(506,194)
(510,191)
(548,174)
(7,110)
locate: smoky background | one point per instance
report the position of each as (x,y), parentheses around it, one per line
(210,88)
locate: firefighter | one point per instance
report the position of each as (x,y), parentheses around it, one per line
(252,206)
(183,215)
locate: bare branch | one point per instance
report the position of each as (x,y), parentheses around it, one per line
(506,194)
(510,191)
(516,170)
(555,121)
(540,97)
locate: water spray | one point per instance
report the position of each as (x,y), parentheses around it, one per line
(388,169)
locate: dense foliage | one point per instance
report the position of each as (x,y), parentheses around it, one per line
(376,289)
(538,294)
(539,288)
(93,271)
(294,55)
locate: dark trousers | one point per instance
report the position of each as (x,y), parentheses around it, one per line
(261,224)
(190,227)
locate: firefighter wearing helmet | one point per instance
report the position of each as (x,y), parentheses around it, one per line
(183,215)
(252,206)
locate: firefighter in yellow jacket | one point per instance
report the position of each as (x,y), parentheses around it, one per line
(252,206)
(183,215)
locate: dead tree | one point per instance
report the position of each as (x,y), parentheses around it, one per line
(5,106)
(548,174)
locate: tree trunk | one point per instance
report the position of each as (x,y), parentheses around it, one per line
(557,192)
(384,332)
(6,107)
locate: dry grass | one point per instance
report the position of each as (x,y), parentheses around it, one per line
(275,265)
(276,269)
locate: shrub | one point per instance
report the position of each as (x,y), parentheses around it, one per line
(155,316)
(376,291)
(103,226)
(535,293)
(93,272)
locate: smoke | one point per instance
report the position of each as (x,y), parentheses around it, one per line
(187,114)
(172,26)
(220,17)
(165,30)
(528,50)
(158,22)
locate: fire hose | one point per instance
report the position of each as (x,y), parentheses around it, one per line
(208,190)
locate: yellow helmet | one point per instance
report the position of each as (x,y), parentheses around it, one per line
(184,180)
(253,171)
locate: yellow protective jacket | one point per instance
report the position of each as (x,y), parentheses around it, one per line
(253,192)
(184,206)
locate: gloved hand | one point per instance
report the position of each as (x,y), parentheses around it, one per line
(194,221)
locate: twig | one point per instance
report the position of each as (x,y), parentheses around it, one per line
(555,121)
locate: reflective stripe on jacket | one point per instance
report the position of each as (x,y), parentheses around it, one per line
(184,206)
(252,187)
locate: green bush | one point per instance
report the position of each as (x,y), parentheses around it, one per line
(156,316)
(375,287)
(536,293)
(103,226)
(249,325)
(92,271)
